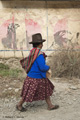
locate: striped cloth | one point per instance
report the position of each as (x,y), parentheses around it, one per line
(28,61)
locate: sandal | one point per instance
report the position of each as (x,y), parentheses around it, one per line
(53,108)
(22,109)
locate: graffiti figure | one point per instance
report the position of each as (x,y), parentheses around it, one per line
(61,38)
(10,40)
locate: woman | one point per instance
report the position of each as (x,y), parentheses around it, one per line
(36,86)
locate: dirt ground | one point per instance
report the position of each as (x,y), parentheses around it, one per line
(66,95)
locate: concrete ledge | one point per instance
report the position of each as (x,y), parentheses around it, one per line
(39,4)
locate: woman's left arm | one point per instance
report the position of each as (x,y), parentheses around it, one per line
(41,63)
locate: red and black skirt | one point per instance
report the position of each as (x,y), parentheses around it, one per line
(36,89)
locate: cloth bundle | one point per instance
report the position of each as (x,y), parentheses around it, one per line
(27,62)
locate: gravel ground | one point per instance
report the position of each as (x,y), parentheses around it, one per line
(66,95)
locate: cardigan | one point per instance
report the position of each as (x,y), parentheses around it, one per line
(39,68)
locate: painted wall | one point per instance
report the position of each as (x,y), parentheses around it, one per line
(58,22)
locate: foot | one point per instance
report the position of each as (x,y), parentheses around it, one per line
(20,108)
(53,107)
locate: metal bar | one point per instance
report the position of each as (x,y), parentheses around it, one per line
(42,50)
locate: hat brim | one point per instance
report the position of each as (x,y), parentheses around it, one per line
(43,40)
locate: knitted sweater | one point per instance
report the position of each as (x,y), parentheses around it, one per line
(39,68)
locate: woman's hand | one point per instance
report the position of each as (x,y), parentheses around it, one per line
(48,73)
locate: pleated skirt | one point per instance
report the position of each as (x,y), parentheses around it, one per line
(36,89)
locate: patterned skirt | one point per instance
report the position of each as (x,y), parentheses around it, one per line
(36,89)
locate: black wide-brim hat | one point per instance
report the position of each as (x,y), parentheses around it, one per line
(37,38)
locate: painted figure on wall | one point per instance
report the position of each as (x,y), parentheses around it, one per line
(63,37)
(10,40)
(60,37)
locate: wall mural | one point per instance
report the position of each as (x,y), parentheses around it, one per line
(60,30)
(10,40)
(32,27)
(62,36)
(8,34)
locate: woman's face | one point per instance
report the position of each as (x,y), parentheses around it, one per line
(40,45)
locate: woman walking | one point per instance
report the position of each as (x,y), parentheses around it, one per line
(36,85)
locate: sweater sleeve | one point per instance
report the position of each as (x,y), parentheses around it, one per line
(41,63)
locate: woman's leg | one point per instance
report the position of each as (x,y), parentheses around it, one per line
(20,103)
(50,105)
(48,101)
